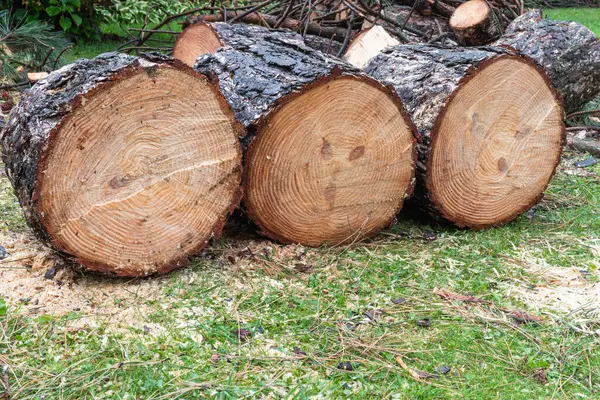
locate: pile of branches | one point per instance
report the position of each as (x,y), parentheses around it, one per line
(410,21)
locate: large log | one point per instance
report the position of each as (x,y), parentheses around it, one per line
(474,23)
(491,124)
(330,152)
(127,164)
(199,36)
(568,51)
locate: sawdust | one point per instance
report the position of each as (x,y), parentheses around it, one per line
(122,303)
(563,290)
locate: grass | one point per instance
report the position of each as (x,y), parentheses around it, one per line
(359,322)
(589,17)
(307,327)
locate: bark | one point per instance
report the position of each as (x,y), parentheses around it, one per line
(426,78)
(590,146)
(568,52)
(258,68)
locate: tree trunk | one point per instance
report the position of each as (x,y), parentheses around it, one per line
(330,152)
(473,23)
(127,164)
(568,51)
(492,129)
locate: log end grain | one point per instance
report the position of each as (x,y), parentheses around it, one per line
(195,40)
(367,44)
(332,164)
(496,144)
(472,23)
(140,171)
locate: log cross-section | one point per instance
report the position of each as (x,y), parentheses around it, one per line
(568,51)
(127,164)
(492,129)
(473,23)
(330,152)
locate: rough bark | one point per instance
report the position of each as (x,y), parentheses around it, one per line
(568,52)
(427,78)
(257,68)
(35,124)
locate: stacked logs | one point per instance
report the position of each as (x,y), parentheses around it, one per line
(132,164)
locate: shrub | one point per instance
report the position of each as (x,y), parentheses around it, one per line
(79,18)
(28,44)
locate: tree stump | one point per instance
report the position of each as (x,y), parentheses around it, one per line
(127,164)
(473,25)
(491,124)
(330,152)
(568,51)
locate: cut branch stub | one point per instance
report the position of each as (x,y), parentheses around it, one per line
(331,156)
(492,129)
(127,164)
(367,44)
(568,52)
(473,24)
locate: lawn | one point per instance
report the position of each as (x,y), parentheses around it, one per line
(589,17)
(421,311)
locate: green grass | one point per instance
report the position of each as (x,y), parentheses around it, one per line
(589,17)
(305,324)
(115,36)
(182,343)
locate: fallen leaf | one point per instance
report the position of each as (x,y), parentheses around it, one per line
(540,376)
(373,314)
(447,295)
(399,300)
(524,318)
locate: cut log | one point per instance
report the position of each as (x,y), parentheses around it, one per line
(367,44)
(568,52)
(473,23)
(491,124)
(206,37)
(127,164)
(330,155)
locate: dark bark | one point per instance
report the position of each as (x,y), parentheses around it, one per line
(258,68)
(568,52)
